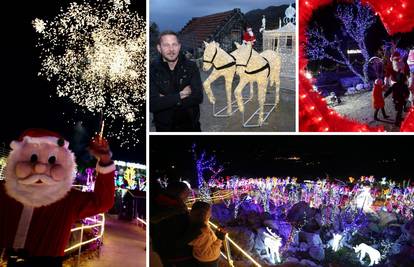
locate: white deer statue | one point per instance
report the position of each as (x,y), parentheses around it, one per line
(263,68)
(273,243)
(336,242)
(223,64)
(374,255)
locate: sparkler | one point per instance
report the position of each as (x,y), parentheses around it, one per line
(95,53)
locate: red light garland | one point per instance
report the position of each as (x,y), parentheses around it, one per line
(314,114)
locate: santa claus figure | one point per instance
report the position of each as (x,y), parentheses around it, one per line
(248,36)
(396,66)
(38,205)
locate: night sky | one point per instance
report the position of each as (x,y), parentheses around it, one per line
(262,156)
(173,15)
(29,101)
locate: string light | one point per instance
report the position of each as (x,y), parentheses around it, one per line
(101,224)
(335,122)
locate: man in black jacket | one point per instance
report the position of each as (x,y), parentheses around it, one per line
(175,88)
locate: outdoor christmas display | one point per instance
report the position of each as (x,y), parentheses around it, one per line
(251,67)
(360,222)
(356,17)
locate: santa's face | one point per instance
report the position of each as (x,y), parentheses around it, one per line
(39,174)
(250,31)
(397,64)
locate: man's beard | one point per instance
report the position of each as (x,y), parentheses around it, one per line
(170,60)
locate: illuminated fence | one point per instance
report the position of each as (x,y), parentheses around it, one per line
(216,197)
(227,256)
(91,222)
(227,243)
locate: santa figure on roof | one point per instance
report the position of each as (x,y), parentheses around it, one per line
(248,36)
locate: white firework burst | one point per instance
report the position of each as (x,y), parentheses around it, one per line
(95,53)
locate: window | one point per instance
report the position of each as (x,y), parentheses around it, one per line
(289,42)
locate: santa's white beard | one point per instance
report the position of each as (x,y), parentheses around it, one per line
(35,195)
(397,65)
(250,33)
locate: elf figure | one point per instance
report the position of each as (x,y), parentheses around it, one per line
(38,205)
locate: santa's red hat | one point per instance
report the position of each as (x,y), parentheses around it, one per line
(40,136)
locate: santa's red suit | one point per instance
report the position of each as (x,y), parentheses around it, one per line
(391,73)
(49,230)
(249,37)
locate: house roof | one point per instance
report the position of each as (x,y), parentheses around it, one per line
(200,29)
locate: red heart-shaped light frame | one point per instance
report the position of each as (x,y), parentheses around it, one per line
(314,114)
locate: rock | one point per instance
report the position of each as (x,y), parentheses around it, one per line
(392,232)
(409,229)
(308,263)
(350,91)
(244,237)
(298,212)
(374,227)
(372,217)
(303,246)
(312,239)
(253,221)
(317,252)
(359,87)
(396,248)
(292,260)
(222,213)
(386,218)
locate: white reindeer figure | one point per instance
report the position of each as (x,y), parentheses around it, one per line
(336,242)
(273,243)
(374,255)
(260,68)
(223,65)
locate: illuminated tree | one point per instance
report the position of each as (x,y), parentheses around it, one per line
(355,19)
(203,164)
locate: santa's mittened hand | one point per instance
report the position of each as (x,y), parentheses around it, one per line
(99,148)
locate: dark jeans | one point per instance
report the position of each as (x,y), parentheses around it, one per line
(399,107)
(383,113)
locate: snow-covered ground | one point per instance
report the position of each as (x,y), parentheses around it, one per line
(359,107)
